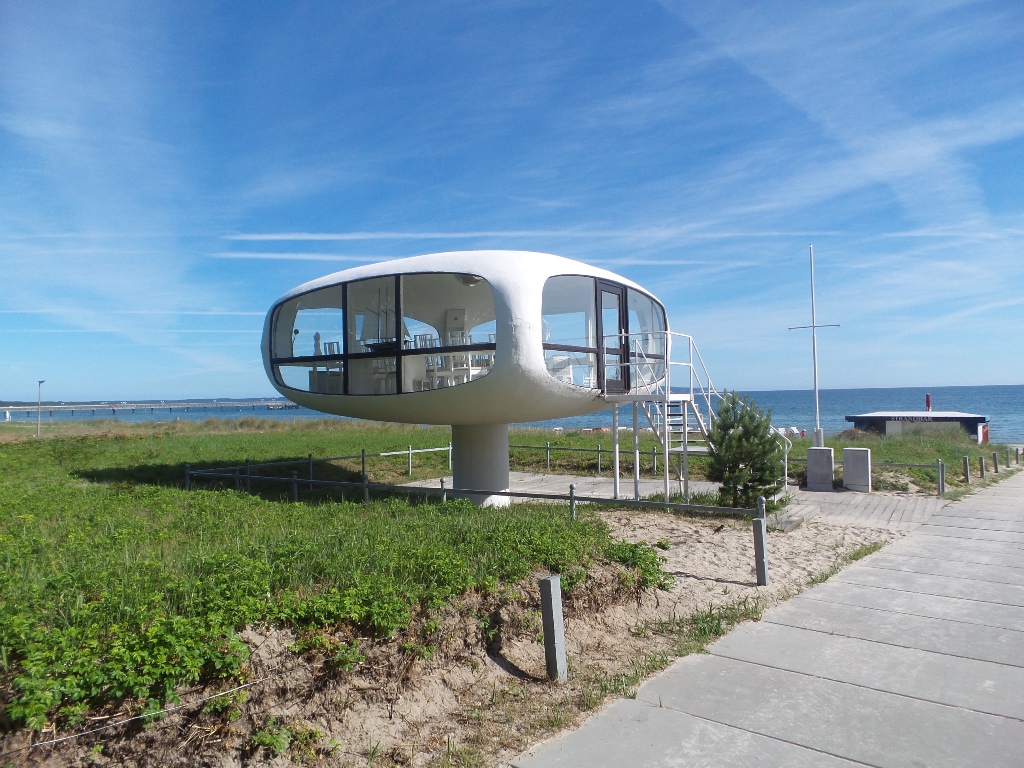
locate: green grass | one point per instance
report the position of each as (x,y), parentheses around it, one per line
(116,584)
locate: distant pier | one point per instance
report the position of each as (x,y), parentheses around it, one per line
(101,409)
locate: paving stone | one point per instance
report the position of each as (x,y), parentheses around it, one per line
(981,686)
(957,638)
(927,584)
(642,735)
(857,723)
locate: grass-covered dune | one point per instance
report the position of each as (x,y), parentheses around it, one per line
(117,584)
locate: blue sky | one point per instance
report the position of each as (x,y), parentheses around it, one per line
(168,170)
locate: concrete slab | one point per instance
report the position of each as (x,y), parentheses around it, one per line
(950,550)
(957,638)
(873,727)
(1007,537)
(916,604)
(977,524)
(977,545)
(997,574)
(635,733)
(927,584)
(974,513)
(981,686)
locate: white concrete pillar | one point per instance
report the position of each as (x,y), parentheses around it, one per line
(857,469)
(821,469)
(480,462)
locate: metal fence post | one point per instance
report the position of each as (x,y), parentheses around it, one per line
(554,628)
(967,470)
(449,455)
(410,461)
(598,458)
(295,485)
(981,467)
(654,461)
(572,501)
(444,493)
(238,483)
(248,477)
(941,467)
(188,477)
(995,462)
(549,455)
(311,471)
(761,544)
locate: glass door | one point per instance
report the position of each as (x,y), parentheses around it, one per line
(614,357)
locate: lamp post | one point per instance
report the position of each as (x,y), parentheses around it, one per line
(39,409)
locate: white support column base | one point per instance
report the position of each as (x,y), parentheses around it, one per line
(480,462)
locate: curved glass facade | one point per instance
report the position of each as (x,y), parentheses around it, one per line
(386,335)
(602,335)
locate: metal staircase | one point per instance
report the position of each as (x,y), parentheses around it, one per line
(671,387)
(673,390)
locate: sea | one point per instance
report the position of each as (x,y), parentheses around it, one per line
(1002,404)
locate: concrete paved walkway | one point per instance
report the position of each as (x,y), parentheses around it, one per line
(912,657)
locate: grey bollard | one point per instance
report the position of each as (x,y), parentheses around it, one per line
(444,493)
(995,462)
(599,458)
(572,501)
(366,480)
(410,461)
(295,485)
(549,457)
(981,467)
(188,477)
(967,470)
(554,628)
(761,544)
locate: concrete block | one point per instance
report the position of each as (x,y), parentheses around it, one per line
(857,469)
(821,469)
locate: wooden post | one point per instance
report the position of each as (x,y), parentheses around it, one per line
(981,467)
(995,462)
(967,470)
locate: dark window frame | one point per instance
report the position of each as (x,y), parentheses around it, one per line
(622,289)
(398,352)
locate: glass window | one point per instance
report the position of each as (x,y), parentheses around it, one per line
(572,367)
(324,378)
(646,324)
(398,335)
(372,376)
(568,312)
(371,316)
(446,310)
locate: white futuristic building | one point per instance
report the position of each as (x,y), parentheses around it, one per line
(474,339)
